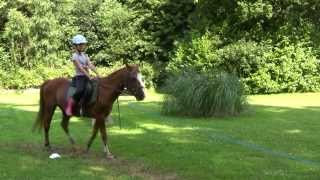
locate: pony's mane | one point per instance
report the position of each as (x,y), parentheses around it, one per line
(115,73)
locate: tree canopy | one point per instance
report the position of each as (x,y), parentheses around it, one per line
(273,46)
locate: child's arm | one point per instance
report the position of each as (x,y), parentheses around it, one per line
(78,65)
(93,68)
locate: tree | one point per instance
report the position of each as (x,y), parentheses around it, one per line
(17,36)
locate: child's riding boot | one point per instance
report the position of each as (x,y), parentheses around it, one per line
(70,104)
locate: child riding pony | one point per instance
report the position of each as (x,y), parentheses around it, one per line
(52,95)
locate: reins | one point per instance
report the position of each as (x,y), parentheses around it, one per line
(119,91)
(119,119)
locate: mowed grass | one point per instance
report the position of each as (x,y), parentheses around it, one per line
(276,138)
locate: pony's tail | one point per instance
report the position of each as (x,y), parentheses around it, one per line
(38,124)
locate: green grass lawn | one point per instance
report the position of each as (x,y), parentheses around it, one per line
(278,137)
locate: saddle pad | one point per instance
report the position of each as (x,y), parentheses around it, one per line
(91,92)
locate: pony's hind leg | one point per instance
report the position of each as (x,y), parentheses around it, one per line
(65,127)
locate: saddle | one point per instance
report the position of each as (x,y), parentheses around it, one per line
(89,97)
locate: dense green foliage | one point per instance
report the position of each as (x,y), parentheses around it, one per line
(203,95)
(263,68)
(273,46)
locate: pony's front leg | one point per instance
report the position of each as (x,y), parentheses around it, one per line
(103,133)
(94,133)
(108,120)
(65,127)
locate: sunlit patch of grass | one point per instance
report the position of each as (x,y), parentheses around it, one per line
(300,100)
(161,128)
(293,131)
(128,131)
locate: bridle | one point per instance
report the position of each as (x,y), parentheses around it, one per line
(124,88)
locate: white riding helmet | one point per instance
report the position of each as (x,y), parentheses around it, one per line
(79,39)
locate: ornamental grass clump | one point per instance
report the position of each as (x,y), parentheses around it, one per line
(204,95)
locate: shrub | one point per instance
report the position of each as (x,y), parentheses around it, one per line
(21,78)
(247,59)
(203,95)
(148,74)
(199,53)
(294,67)
(5,60)
(263,67)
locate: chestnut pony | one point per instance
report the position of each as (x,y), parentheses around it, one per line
(53,94)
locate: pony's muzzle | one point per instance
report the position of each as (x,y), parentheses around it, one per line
(141,95)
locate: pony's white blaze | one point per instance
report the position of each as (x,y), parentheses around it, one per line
(139,78)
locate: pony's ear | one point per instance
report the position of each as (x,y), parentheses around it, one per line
(125,62)
(129,68)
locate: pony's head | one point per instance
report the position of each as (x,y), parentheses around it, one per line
(134,82)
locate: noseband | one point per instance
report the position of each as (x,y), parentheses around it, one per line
(134,90)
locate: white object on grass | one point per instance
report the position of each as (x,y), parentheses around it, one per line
(54,156)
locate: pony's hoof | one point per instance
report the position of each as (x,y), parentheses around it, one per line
(110,157)
(75,149)
(72,141)
(87,152)
(48,148)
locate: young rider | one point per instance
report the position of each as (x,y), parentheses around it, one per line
(82,65)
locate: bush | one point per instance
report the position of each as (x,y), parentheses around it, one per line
(203,95)
(247,59)
(5,60)
(148,74)
(263,67)
(294,68)
(21,78)
(199,53)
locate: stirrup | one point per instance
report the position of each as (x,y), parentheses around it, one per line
(81,111)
